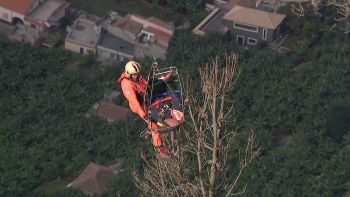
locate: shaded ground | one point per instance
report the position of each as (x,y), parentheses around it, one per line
(125,7)
(5,27)
(57,184)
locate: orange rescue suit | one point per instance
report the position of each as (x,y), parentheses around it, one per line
(132,88)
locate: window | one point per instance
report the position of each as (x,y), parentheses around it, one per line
(81,50)
(240,40)
(108,99)
(245,27)
(264,34)
(252,41)
(6,16)
(32,25)
(89,51)
(112,54)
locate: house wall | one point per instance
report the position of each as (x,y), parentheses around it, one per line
(6,11)
(125,35)
(162,42)
(32,42)
(105,53)
(76,47)
(147,24)
(234,32)
(142,50)
(10,15)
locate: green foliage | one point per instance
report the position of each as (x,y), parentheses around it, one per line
(116,100)
(125,103)
(53,35)
(197,18)
(299,50)
(51,170)
(261,44)
(42,107)
(338,120)
(64,21)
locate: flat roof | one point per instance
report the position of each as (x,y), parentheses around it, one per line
(214,24)
(45,10)
(83,33)
(25,32)
(113,42)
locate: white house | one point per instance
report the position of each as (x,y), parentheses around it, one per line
(39,14)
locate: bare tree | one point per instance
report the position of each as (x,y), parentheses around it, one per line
(343,7)
(199,164)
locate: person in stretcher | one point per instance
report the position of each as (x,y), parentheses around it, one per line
(165,105)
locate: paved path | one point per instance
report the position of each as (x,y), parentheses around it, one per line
(185,25)
(5,28)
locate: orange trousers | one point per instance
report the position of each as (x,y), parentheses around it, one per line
(157,141)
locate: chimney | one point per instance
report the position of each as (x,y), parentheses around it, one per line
(96,105)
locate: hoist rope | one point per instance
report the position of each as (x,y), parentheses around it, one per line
(160,20)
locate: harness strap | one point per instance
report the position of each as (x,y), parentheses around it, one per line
(157,102)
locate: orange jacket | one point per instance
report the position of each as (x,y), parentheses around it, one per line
(130,88)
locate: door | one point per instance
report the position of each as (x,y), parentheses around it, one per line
(81,50)
(240,40)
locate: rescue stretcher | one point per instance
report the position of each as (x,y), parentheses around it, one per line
(162,84)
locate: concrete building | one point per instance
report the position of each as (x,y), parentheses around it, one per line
(83,36)
(38,14)
(247,26)
(26,34)
(144,37)
(244,23)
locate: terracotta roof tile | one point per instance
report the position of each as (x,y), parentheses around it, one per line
(161,46)
(157,22)
(94,178)
(141,17)
(232,3)
(158,34)
(34,22)
(62,9)
(133,26)
(19,6)
(122,22)
(112,112)
(254,17)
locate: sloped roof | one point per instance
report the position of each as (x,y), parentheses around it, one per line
(232,3)
(112,112)
(161,46)
(128,24)
(62,9)
(34,22)
(122,22)
(141,17)
(133,26)
(158,34)
(94,178)
(254,17)
(157,22)
(19,6)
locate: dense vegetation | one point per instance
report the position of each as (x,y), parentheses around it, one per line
(43,132)
(297,105)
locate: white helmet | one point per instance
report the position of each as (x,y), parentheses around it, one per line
(132,67)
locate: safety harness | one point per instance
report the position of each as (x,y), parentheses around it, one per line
(141,89)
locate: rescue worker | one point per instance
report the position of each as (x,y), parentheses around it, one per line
(133,87)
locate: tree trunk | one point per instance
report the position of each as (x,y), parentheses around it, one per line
(346,29)
(215,135)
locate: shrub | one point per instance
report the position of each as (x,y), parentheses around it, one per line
(53,35)
(261,44)
(197,18)
(51,171)
(125,103)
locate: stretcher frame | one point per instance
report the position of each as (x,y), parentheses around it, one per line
(157,73)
